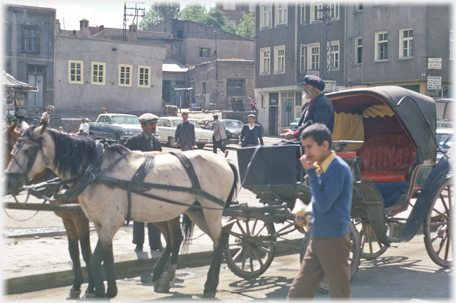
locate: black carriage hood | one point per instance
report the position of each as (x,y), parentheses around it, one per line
(415,111)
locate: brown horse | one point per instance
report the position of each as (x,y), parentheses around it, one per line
(76,226)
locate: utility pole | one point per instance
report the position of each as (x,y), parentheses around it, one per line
(135,15)
(326,65)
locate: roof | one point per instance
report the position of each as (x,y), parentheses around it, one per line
(10,82)
(173,66)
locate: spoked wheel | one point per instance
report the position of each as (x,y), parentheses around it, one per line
(437,226)
(354,257)
(250,248)
(370,247)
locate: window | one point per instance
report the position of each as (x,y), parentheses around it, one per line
(176,49)
(144,76)
(314,57)
(358,6)
(315,12)
(406,43)
(303,13)
(279,63)
(235,87)
(303,58)
(359,50)
(229,6)
(179,34)
(333,57)
(266,16)
(125,74)
(381,49)
(98,73)
(265,61)
(31,42)
(334,10)
(204,52)
(203,87)
(75,69)
(281,13)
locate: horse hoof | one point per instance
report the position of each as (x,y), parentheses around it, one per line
(74,294)
(163,289)
(89,295)
(209,294)
(157,284)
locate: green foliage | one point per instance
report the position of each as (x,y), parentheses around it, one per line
(198,13)
(246,28)
(159,12)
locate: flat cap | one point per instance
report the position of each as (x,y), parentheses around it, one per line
(215,116)
(103,108)
(185,113)
(148,118)
(51,107)
(315,81)
(251,115)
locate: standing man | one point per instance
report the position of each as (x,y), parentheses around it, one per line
(145,141)
(103,110)
(218,136)
(318,110)
(185,134)
(46,116)
(251,133)
(84,127)
(328,251)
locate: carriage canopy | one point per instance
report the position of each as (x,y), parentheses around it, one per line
(367,112)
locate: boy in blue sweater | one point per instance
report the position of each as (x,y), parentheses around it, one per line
(328,251)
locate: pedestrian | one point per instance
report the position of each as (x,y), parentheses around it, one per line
(219,136)
(251,133)
(317,110)
(10,118)
(253,106)
(46,116)
(331,186)
(103,110)
(84,127)
(145,141)
(185,134)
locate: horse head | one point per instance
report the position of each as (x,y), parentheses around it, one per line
(28,157)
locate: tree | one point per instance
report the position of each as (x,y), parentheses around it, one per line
(158,13)
(198,13)
(246,27)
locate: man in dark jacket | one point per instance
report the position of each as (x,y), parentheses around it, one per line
(185,134)
(318,110)
(251,133)
(145,141)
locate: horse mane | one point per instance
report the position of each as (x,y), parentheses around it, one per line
(73,154)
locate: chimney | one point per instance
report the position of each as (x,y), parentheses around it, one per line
(101,28)
(57,27)
(133,34)
(84,28)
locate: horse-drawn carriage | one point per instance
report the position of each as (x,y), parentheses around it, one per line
(386,135)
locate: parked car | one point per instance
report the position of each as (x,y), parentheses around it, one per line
(117,127)
(167,129)
(444,140)
(233,129)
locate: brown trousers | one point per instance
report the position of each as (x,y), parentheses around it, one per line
(324,257)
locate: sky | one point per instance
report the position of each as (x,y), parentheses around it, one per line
(98,12)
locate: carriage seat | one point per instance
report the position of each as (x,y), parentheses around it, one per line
(387,158)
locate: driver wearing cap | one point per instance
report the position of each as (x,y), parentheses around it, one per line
(318,110)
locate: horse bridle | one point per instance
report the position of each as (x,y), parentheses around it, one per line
(31,153)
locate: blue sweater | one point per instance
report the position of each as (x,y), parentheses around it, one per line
(331,199)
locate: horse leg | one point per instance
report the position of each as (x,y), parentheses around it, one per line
(159,267)
(82,227)
(173,227)
(210,287)
(110,275)
(73,248)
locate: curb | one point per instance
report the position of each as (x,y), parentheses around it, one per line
(123,269)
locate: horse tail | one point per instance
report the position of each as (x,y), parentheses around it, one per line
(187,227)
(234,188)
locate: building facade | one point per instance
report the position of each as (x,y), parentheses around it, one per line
(29,52)
(347,45)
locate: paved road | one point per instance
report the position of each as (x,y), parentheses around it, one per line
(404,273)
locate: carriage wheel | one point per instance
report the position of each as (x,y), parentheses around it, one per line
(437,226)
(250,248)
(354,257)
(370,247)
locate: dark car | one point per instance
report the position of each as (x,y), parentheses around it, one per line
(233,129)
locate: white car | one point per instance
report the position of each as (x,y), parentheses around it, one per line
(167,129)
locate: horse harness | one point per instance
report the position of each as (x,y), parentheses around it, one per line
(93,173)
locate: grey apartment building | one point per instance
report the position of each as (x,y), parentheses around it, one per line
(348,45)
